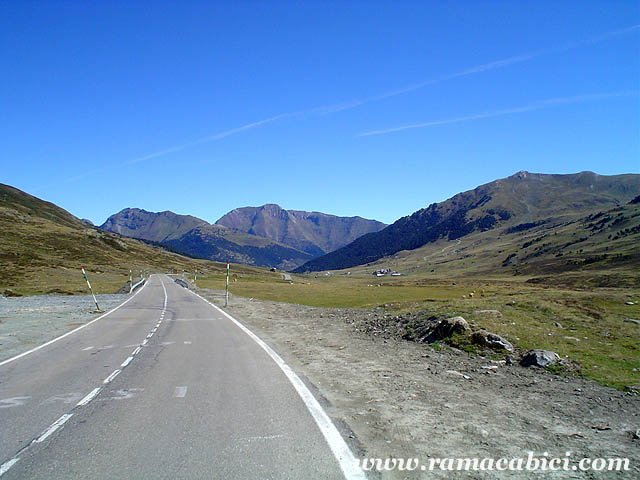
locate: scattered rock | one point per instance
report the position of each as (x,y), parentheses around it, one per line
(539,358)
(455,372)
(629,303)
(601,427)
(10,293)
(447,327)
(631,320)
(557,324)
(491,340)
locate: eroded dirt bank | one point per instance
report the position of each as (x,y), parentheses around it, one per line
(403,399)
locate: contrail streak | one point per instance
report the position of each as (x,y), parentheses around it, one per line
(549,103)
(338,107)
(480,69)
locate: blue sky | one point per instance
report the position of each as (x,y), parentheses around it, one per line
(361,108)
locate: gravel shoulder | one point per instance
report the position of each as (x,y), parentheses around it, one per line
(408,400)
(26,322)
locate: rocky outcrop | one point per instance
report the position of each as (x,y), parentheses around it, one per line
(433,330)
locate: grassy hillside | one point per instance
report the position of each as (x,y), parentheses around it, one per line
(43,246)
(523,198)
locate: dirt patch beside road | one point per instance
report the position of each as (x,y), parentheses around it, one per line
(408,400)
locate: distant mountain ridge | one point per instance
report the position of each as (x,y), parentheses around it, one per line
(520,198)
(197,238)
(312,232)
(156,227)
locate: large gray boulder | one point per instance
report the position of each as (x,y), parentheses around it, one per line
(491,340)
(539,358)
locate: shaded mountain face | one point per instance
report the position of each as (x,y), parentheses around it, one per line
(156,227)
(196,238)
(312,232)
(219,243)
(523,198)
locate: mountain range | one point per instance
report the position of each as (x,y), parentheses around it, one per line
(525,199)
(266,236)
(527,224)
(312,232)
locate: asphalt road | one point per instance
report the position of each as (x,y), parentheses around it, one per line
(166,386)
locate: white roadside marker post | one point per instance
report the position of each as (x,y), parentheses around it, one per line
(84,274)
(226,296)
(130,281)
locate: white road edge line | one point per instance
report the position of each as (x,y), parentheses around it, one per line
(4,468)
(23,354)
(136,351)
(110,378)
(89,397)
(126,362)
(338,446)
(54,426)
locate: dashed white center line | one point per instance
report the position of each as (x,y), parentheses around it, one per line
(180,392)
(54,426)
(126,362)
(4,468)
(136,351)
(89,397)
(187,343)
(87,348)
(144,342)
(112,376)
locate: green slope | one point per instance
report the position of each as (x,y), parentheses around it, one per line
(43,246)
(521,198)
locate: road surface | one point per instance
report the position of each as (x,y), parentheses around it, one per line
(166,386)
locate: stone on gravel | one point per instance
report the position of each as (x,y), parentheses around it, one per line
(11,293)
(539,358)
(491,340)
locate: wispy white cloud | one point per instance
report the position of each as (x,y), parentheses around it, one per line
(338,107)
(549,103)
(485,67)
